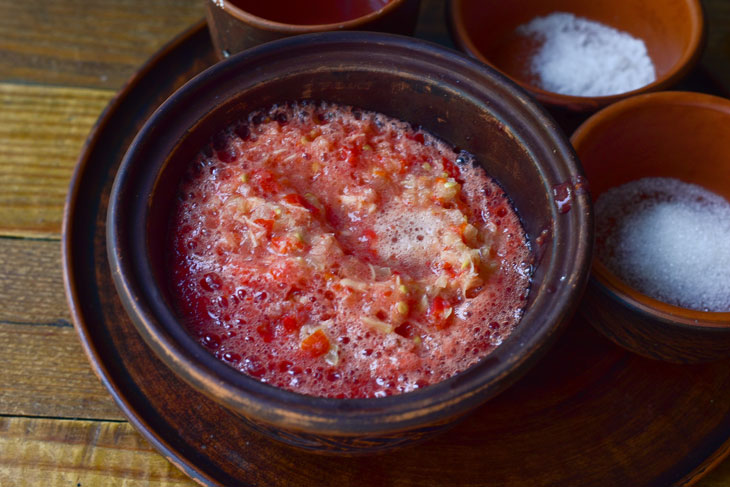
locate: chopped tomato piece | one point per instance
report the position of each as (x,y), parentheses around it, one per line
(418,137)
(451,168)
(406,330)
(295,199)
(267,224)
(291,323)
(266,180)
(264,330)
(287,245)
(439,312)
(449,269)
(404,166)
(331,217)
(350,154)
(316,344)
(369,236)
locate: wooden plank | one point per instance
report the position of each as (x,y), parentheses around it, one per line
(31,282)
(44,369)
(92,43)
(45,373)
(80,453)
(42,131)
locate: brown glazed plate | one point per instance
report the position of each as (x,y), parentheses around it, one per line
(589,414)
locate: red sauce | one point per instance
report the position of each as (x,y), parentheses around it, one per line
(342,253)
(311,12)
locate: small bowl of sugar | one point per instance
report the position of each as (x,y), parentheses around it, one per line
(658,166)
(578,55)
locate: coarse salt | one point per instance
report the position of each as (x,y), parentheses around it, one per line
(581,57)
(669,240)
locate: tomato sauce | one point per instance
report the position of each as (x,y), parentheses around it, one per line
(342,253)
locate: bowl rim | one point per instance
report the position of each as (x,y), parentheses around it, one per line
(446,399)
(690,57)
(293,29)
(642,303)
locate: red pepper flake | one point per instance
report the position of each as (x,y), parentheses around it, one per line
(316,344)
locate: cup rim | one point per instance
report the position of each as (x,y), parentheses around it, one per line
(624,292)
(690,56)
(293,29)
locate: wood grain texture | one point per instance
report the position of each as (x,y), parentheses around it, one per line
(91,43)
(45,373)
(42,131)
(31,282)
(45,452)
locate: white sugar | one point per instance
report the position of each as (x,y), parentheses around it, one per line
(586,58)
(669,240)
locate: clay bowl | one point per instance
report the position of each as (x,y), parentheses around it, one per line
(237,25)
(668,134)
(673,31)
(457,99)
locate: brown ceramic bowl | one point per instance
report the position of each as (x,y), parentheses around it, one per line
(457,99)
(673,31)
(241,24)
(668,134)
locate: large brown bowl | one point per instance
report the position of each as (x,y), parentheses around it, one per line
(678,135)
(673,31)
(455,98)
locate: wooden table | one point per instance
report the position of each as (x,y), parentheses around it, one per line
(61,61)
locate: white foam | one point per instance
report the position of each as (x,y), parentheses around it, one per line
(410,237)
(668,239)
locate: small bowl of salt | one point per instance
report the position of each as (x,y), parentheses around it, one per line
(658,167)
(579,55)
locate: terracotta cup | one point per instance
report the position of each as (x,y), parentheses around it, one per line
(680,135)
(673,31)
(238,25)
